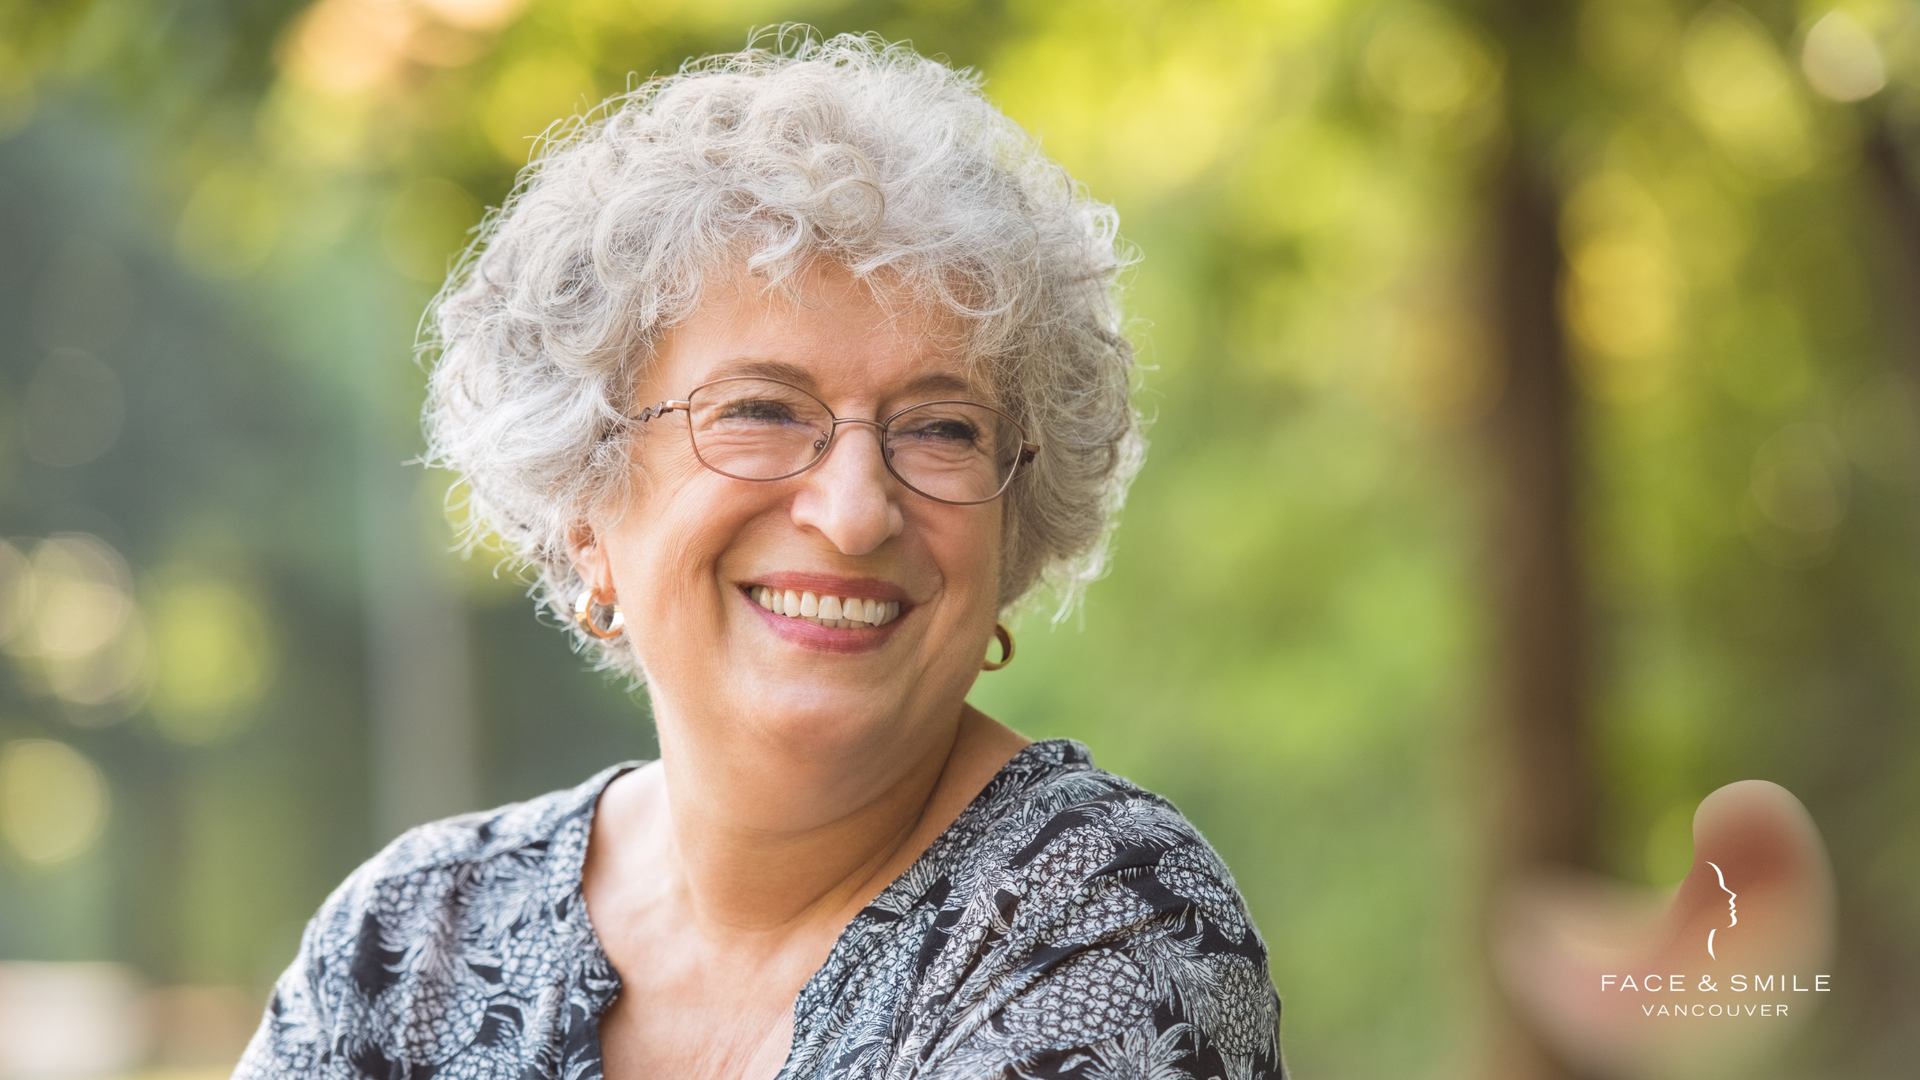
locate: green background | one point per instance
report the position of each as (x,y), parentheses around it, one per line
(238,209)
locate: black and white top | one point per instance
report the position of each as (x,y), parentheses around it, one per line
(1067,925)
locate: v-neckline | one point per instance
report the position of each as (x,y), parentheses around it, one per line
(1028,759)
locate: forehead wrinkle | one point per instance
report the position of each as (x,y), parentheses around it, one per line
(930,382)
(900,308)
(940,382)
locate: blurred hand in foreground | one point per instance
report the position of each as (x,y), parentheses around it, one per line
(1625,982)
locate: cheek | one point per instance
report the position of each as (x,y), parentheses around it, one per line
(664,512)
(682,543)
(967,546)
(669,539)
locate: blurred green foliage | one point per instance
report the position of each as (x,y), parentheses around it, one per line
(1292,644)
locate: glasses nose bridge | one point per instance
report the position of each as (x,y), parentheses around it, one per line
(833,432)
(833,439)
(833,436)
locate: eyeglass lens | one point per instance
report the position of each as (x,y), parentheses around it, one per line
(761,429)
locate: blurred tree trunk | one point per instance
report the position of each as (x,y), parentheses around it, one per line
(1541,594)
(1546,810)
(1546,807)
(1899,206)
(1876,950)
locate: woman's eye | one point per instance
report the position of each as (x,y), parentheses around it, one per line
(769,412)
(954,431)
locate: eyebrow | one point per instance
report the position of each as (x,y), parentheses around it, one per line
(932,382)
(765,369)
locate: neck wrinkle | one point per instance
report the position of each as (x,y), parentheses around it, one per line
(751,880)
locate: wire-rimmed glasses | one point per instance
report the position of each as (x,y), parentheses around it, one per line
(751,428)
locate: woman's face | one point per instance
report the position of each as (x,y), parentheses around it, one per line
(689,552)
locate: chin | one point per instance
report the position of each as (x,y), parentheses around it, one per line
(812,715)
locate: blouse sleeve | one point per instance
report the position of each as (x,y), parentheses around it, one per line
(1150,968)
(295,1034)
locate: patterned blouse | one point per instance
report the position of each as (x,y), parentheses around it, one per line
(1067,925)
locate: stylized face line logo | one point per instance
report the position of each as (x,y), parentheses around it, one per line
(1732,912)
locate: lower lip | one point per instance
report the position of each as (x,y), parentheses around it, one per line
(823,638)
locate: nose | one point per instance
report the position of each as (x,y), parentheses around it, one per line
(850,498)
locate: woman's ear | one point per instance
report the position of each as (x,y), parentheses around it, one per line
(589,556)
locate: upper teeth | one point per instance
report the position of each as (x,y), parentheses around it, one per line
(836,611)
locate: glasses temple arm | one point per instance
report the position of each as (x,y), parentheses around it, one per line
(661,409)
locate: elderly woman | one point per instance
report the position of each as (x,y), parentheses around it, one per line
(791,375)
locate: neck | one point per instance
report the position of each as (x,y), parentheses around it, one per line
(772,843)
(760,843)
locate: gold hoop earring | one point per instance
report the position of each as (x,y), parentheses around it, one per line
(1006,649)
(583,614)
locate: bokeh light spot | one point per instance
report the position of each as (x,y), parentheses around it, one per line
(1423,61)
(112,675)
(1740,93)
(1621,306)
(530,97)
(81,596)
(474,14)
(53,801)
(1622,295)
(214,658)
(70,620)
(1841,60)
(346,46)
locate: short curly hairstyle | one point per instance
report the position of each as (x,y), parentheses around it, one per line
(850,149)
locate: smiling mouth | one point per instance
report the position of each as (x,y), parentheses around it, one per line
(833,612)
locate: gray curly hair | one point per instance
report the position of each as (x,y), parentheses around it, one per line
(850,149)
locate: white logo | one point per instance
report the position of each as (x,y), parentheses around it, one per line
(1732,912)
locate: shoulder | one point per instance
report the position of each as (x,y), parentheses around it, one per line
(1111,930)
(446,854)
(1070,825)
(375,979)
